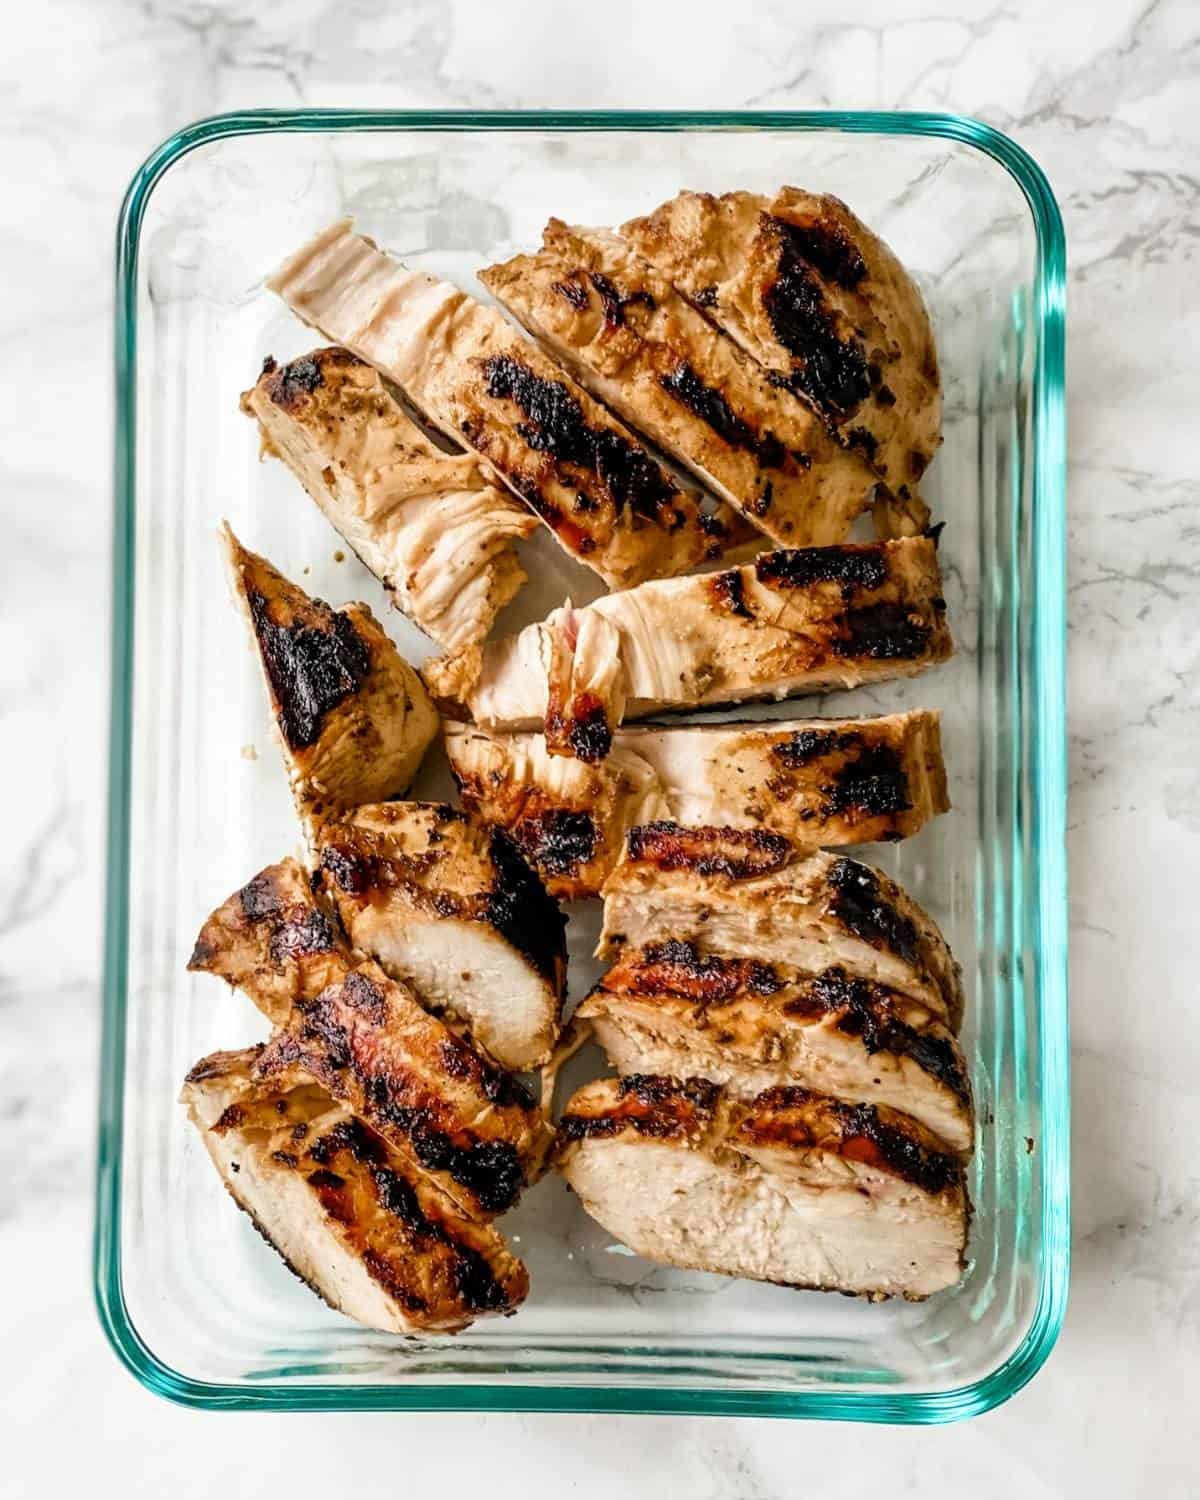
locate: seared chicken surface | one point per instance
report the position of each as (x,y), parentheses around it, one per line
(793,622)
(440,1103)
(454,911)
(427,523)
(751,1025)
(748,893)
(639,346)
(372,1238)
(353,718)
(598,489)
(823,304)
(822,782)
(790,1187)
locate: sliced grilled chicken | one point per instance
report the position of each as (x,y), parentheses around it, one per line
(354,719)
(606,499)
(806,288)
(752,1025)
(633,341)
(821,782)
(275,941)
(792,1187)
(747,893)
(567,817)
(426,523)
(585,683)
(433,1095)
(454,911)
(801,621)
(437,1101)
(372,1238)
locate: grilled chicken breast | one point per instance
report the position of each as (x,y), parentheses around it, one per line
(792,622)
(791,1187)
(585,683)
(602,494)
(373,1239)
(633,341)
(427,523)
(746,893)
(354,719)
(805,287)
(752,1025)
(567,817)
(821,782)
(436,1099)
(454,911)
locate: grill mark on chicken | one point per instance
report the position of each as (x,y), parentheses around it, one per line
(555,424)
(613,301)
(590,734)
(652,1105)
(874,1135)
(729,591)
(852,566)
(288,386)
(884,632)
(714,411)
(312,668)
(679,968)
(872,782)
(739,853)
(830,371)
(520,909)
(860,905)
(558,840)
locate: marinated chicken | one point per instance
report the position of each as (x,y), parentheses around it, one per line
(634,342)
(791,1187)
(567,817)
(607,500)
(437,1100)
(585,683)
(372,1238)
(751,1025)
(806,288)
(454,911)
(747,893)
(353,718)
(427,523)
(802,621)
(821,782)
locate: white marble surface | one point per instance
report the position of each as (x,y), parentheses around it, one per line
(1103,93)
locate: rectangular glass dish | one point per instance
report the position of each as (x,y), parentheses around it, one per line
(192,1301)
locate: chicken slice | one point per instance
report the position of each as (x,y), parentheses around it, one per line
(801,621)
(454,911)
(568,818)
(820,782)
(602,494)
(751,1025)
(585,683)
(633,341)
(805,287)
(353,718)
(426,523)
(791,1187)
(749,893)
(437,1099)
(373,1239)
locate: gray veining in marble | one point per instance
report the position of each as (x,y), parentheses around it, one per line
(1104,94)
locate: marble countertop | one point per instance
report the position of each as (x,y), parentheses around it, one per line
(1104,97)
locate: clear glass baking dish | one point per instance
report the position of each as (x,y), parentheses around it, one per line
(195,1305)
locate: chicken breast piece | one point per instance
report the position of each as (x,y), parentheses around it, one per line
(819,782)
(601,493)
(373,1239)
(805,287)
(585,683)
(567,817)
(353,718)
(275,941)
(438,1102)
(791,1187)
(427,523)
(454,911)
(802,621)
(746,893)
(752,1025)
(633,341)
